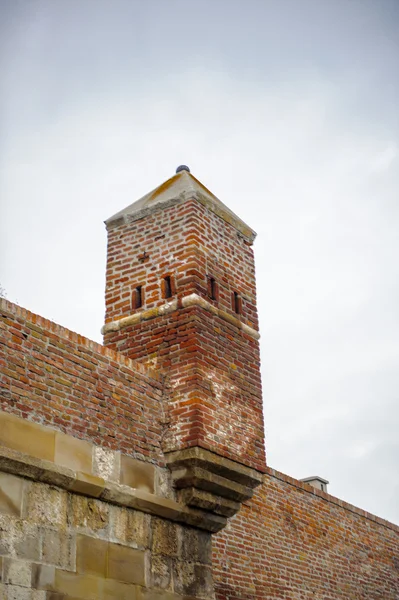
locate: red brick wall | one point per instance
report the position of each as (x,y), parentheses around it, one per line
(56,377)
(290,542)
(215,398)
(188,242)
(214,391)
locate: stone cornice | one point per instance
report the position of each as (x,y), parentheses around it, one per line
(45,471)
(196,300)
(168,307)
(211,482)
(143,315)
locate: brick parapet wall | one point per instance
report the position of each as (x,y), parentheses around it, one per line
(21,314)
(295,542)
(56,377)
(329,498)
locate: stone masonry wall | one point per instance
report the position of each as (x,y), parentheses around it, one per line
(57,545)
(292,542)
(56,377)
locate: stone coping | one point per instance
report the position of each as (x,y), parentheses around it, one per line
(53,328)
(168,307)
(305,487)
(214,486)
(23,465)
(45,443)
(143,315)
(181,187)
(196,300)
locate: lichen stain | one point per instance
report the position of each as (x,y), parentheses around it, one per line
(162,188)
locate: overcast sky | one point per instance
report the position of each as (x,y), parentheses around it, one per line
(288,112)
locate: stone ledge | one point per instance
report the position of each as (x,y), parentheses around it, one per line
(143,315)
(211,482)
(196,300)
(187,301)
(225,467)
(23,465)
(202,479)
(45,443)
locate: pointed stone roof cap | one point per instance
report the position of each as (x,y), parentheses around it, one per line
(182,186)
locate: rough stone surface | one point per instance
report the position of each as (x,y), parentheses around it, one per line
(130,527)
(106,464)
(46,505)
(88,515)
(68,546)
(59,548)
(17,572)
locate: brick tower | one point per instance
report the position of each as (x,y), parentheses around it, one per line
(181,296)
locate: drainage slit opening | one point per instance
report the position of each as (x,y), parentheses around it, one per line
(237,303)
(138,297)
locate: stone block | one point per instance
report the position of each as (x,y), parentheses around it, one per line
(11,494)
(73,453)
(126,564)
(58,548)
(27,437)
(46,505)
(110,589)
(208,501)
(196,546)
(202,479)
(88,514)
(161,572)
(38,469)
(143,594)
(137,474)
(193,580)
(131,527)
(88,484)
(164,537)
(106,463)
(163,483)
(17,572)
(43,577)
(91,556)
(38,595)
(20,539)
(205,520)
(214,463)
(77,585)
(17,592)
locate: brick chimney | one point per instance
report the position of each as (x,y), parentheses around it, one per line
(181,296)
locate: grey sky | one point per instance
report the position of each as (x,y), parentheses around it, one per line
(286,110)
